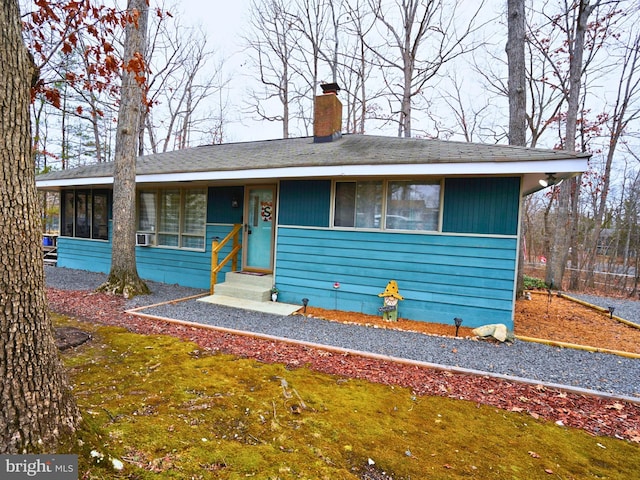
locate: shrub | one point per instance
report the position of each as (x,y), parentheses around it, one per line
(532,283)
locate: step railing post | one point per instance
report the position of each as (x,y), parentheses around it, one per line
(216,246)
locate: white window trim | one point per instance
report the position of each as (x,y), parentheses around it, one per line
(385,189)
(155,234)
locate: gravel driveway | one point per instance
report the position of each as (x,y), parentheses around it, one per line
(575,368)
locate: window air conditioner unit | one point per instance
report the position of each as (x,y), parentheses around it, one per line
(143,239)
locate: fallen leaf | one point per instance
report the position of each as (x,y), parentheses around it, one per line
(533,454)
(616,406)
(549,471)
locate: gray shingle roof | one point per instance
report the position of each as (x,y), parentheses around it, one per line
(303,152)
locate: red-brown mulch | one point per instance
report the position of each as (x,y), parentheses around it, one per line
(599,416)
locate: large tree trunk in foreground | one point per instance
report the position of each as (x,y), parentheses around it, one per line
(37,408)
(123,277)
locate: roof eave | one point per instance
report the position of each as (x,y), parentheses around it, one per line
(532,170)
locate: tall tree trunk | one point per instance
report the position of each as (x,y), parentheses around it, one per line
(37,405)
(562,233)
(123,277)
(517,73)
(517,104)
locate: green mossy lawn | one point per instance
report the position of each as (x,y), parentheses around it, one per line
(166,409)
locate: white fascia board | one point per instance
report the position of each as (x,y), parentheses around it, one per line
(412,169)
(74,182)
(488,168)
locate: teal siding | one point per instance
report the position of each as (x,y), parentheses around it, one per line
(166,265)
(440,276)
(219,204)
(85,254)
(305,203)
(481,205)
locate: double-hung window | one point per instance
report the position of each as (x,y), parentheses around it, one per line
(173,217)
(388,204)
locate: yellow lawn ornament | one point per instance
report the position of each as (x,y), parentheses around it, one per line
(391,296)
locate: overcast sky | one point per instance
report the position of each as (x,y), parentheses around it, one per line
(226,22)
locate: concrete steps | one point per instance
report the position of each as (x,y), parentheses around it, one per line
(246,285)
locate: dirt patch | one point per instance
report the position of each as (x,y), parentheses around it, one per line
(69,337)
(560,319)
(377,322)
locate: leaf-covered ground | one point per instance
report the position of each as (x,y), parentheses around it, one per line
(156,406)
(595,415)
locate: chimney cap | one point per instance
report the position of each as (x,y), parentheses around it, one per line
(330,88)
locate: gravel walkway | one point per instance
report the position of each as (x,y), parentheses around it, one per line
(627,309)
(596,371)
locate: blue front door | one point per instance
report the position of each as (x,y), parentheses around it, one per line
(259,227)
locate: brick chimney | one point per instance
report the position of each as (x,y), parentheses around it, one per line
(327,117)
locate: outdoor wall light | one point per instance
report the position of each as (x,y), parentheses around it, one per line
(550,180)
(458,322)
(546,182)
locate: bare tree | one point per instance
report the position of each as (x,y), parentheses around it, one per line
(355,68)
(179,89)
(38,407)
(417,39)
(517,100)
(576,29)
(271,43)
(626,110)
(123,278)
(517,73)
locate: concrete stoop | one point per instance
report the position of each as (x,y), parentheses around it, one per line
(250,292)
(247,286)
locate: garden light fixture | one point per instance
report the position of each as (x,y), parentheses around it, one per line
(458,322)
(305,302)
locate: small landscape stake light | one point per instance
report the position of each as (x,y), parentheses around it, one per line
(458,322)
(611,309)
(305,302)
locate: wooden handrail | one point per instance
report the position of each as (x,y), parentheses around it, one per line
(216,246)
